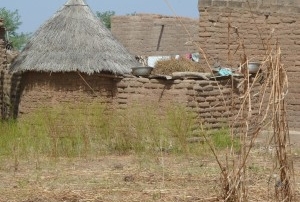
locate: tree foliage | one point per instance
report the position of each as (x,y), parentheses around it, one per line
(105,17)
(12,23)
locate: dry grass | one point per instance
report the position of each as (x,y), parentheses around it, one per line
(167,67)
(130,178)
(34,169)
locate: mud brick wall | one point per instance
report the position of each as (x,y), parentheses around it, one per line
(215,102)
(38,90)
(152,35)
(226,25)
(200,96)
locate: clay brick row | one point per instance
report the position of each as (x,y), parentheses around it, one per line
(122,94)
(202,97)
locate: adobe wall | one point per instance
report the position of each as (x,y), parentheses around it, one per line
(225,26)
(38,90)
(152,35)
(201,96)
(215,102)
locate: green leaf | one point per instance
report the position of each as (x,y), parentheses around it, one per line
(12,23)
(105,17)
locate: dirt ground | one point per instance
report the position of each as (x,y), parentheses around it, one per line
(132,178)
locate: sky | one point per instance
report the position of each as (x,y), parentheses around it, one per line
(35,12)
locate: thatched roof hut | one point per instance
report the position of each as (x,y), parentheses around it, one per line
(74,39)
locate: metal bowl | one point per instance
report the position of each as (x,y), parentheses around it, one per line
(142,71)
(253,67)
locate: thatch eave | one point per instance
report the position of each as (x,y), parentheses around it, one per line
(106,73)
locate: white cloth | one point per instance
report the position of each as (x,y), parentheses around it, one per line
(152,60)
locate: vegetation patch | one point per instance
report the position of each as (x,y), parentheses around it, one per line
(89,130)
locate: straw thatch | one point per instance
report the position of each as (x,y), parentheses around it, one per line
(74,39)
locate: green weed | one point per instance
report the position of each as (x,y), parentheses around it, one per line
(91,130)
(222,139)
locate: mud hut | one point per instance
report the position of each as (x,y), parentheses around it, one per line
(72,57)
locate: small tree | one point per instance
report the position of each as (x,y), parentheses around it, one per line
(105,17)
(11,24)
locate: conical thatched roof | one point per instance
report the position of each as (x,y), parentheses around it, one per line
(74,39)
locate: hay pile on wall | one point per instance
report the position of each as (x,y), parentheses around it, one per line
(176,65)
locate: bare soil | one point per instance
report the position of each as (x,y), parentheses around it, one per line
(164,177)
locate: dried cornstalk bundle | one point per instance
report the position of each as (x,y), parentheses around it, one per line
(272,114)
(283,165)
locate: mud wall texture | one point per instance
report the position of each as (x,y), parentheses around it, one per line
(214,102)
(231,30)
(38,90)
(156,35)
